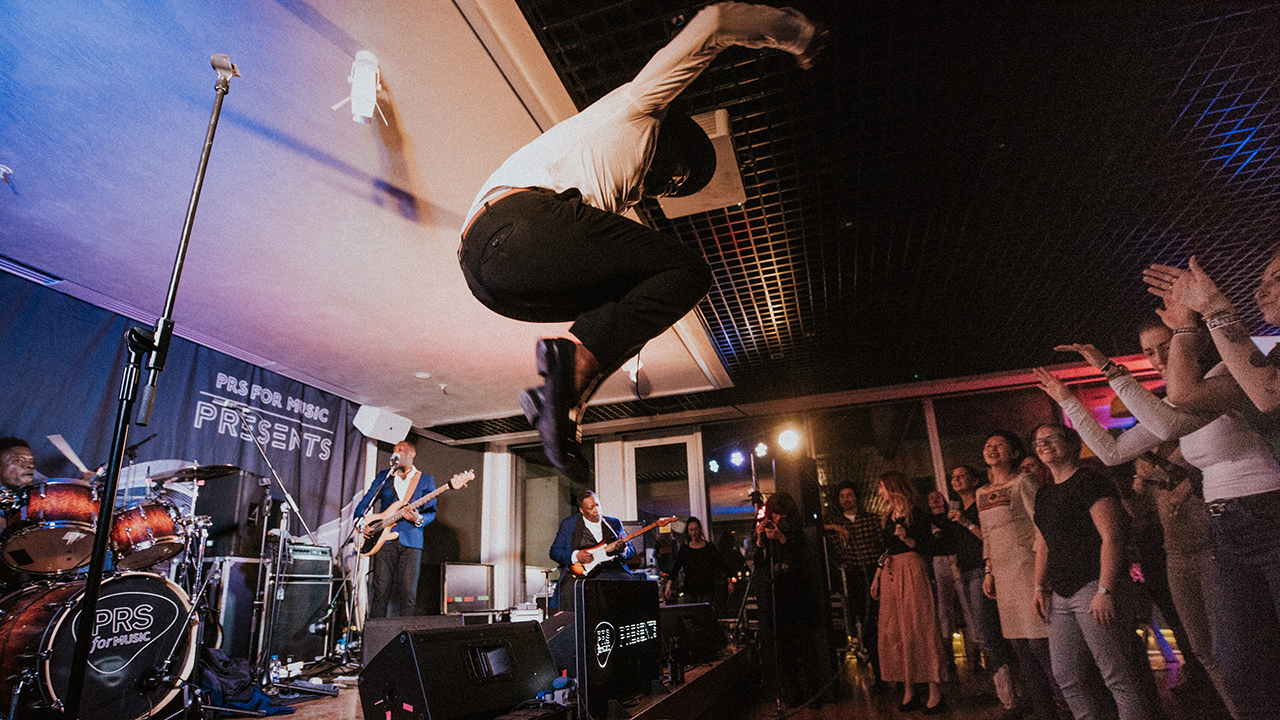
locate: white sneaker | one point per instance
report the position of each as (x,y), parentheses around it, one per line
(1004,686)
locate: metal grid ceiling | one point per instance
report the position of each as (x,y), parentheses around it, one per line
(958,187)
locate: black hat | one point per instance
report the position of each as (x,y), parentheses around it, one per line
(683,161)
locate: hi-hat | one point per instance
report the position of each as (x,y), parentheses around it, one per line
(195,472)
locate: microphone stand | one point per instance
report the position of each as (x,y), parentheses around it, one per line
(347,584)
(153,345)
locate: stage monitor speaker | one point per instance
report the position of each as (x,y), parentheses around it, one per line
(476,672)
(380,631)
(695,629)
(557,630)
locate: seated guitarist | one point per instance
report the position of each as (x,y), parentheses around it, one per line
(588,529)
(396,566)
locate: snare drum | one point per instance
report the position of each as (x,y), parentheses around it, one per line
(146,534)
(49,527)
(141,619)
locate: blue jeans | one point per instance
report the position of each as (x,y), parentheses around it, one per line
(1077,642)
(986,618)
(1246,575)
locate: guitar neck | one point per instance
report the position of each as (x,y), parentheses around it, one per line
(399,514)
(638,533)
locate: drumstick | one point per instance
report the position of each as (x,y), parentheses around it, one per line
(61,443)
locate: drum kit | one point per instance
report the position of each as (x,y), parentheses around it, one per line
(146,624)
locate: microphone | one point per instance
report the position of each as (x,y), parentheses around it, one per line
(395,460)
(139,444)
(233,404)
(318,628)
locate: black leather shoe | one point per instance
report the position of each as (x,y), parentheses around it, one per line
(549,407)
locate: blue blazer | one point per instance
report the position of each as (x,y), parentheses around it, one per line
(573,536)
(410,534)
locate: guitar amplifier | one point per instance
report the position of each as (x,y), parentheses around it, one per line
(303,561)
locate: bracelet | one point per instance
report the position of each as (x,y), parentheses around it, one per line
(1190,330)
(1223,318)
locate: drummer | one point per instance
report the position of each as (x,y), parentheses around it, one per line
(17,464)
(17,470)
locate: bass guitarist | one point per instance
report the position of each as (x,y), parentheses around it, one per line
(588,529)
(396,566)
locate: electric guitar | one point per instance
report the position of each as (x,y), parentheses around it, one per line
(383,522)
(597,553)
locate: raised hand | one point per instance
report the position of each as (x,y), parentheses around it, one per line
(1091,354)
(1052,385)
(1191,287)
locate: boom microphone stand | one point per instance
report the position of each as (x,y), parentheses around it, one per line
(153,345)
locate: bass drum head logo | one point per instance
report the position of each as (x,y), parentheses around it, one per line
(606,635)
(139,621)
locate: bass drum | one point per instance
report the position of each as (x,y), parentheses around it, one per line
(141,618)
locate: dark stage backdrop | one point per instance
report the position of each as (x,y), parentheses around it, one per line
(61,360)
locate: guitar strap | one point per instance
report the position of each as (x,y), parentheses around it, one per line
(413,486)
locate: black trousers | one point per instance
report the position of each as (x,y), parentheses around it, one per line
(543,257)
(395,579)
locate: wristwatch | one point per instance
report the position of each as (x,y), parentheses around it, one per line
(1102,590)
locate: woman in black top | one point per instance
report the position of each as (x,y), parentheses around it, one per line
(700,561)
(1080,565)
(789,606)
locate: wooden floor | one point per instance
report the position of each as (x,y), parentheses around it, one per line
(970,696)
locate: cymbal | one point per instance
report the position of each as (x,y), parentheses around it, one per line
(195,472)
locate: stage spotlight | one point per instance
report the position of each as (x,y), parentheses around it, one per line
(789,439)
(714,466)
(737,458)
(762,450)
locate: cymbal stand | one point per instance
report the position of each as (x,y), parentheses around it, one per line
(160,674)
(152,346)
(274,593)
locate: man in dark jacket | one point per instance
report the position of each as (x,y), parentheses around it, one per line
(572,549)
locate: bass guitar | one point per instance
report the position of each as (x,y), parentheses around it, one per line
(383,522)
(597,553)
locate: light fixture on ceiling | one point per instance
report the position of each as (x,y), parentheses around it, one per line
(366,81)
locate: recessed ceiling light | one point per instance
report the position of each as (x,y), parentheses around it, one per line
(423,375)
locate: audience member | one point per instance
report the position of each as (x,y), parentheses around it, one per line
(910,647)
(982,616)
(1179,505)
(946,578)
(1006,506)
(857,535)
(789,607)
(1080,564)
(699,560)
